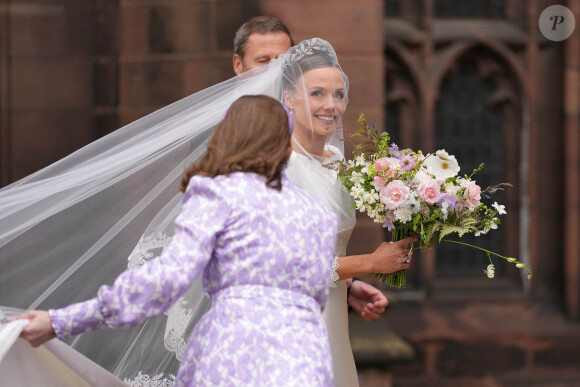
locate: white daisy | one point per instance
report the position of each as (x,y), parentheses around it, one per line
(442,165)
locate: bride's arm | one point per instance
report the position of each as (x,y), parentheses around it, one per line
(387,258)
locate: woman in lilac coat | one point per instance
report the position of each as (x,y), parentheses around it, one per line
(264,248)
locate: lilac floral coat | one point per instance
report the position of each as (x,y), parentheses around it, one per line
(265,256)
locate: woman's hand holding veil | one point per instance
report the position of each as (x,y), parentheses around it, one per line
(39,330)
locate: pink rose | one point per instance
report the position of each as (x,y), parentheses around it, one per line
(381,164)
(379,182)
(472,193)
(430,191)
(394,194)
(393,165)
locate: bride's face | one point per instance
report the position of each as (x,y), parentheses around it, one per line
(325,92)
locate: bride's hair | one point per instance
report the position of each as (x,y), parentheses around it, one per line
(253,137)
(295,69)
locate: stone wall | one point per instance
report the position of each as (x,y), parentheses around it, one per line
(169,50)
(58,79)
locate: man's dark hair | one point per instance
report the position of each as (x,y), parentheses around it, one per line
(261,25)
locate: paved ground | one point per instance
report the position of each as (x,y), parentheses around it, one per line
(483,343)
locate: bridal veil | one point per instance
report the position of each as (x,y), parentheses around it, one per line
(78,223)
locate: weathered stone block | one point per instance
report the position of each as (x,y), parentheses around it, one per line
(166,28)
(41,137)
(466,358)
(203,73)
(38,30)
(561,354)
(348,25)
(51,84)
(151,85)
(230,16)
(106,92)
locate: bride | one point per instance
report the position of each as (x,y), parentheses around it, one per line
(64,229)
(316,92)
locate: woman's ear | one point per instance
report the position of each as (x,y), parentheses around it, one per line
(288,99)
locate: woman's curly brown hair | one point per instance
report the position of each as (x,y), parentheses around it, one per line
(254,136)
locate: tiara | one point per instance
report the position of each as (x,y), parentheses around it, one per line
(307,47)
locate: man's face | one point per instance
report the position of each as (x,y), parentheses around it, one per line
(260,50)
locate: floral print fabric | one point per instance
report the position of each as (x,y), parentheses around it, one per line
(265,257)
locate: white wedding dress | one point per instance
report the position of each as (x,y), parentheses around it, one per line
(316,179)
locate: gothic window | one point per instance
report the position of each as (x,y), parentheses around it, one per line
(473,123)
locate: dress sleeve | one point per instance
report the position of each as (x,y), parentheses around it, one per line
(333,274)
(151,289)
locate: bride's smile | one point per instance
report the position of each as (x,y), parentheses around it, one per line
(318,104)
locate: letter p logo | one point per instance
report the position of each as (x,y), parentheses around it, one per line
(557,20)
(556,23)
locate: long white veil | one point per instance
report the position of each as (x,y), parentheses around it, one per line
(77,224)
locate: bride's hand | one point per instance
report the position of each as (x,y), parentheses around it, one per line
(391,257)
(39,330)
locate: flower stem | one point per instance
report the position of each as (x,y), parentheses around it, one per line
(397,279)
(512,260)
(475,247)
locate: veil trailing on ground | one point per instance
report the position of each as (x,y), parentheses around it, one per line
(77,224)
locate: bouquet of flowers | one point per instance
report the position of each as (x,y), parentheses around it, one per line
(412,193)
